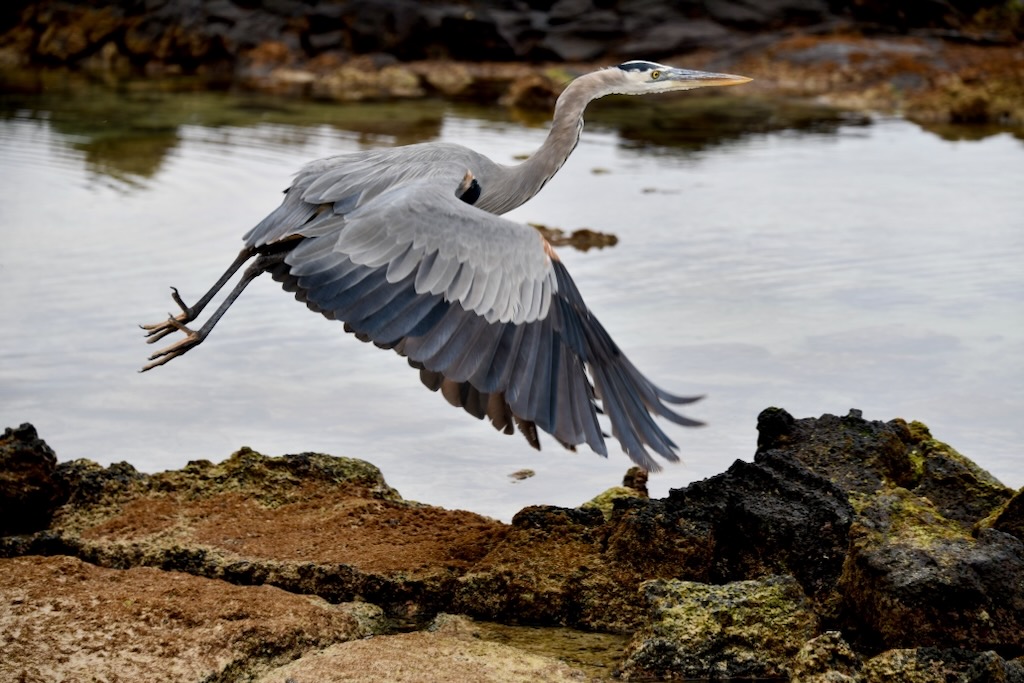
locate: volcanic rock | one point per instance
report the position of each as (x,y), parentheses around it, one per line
(29,489)
(744,629)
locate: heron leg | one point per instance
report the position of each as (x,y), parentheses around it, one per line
(195,337)
(174,323)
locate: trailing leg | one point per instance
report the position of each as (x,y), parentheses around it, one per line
(195,337)
(174,323)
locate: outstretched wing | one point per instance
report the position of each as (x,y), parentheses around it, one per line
(349,181)
(482,306)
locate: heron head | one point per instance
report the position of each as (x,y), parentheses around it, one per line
(638,77)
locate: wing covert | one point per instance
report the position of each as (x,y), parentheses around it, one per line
(491,266)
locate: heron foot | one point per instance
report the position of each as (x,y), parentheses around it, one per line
(174,323)
(179,348)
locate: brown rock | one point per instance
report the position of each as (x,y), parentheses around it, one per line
(72,32)
(440,657)
(534,575)
(309,523)
(357,81)
(826,659)
(63,619)
(450,79)
(576,567)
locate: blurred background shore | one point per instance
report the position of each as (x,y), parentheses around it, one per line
(940,61)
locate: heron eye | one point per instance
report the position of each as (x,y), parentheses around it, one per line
(655,75)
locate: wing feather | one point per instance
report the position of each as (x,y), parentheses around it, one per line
(436,275)
(493,375)
(401,266)
(478,306)
(461,283)
(430,343)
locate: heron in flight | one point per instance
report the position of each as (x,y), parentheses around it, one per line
(408,248)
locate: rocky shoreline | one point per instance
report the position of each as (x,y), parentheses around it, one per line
(847,550)
(953,62)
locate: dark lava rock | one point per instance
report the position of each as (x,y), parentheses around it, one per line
(29,491)
(914,578)
(913,575)
(855,454)
(89,483)
(1010,518)
(767,13)
(961,490)
(933,665)
(770,517)
(861,456)
(673,37)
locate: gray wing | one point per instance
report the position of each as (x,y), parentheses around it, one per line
(349,181)
(481,307)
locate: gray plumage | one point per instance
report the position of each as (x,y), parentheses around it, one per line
(406,246)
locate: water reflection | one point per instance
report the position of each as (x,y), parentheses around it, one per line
(692,121)
(128,134)
(839,265)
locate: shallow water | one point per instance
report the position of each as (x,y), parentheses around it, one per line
(839,265)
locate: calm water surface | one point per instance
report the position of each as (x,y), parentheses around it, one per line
(878,267)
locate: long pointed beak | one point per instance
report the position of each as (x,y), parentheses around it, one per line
(702,79)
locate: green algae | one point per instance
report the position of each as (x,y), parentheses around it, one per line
(605,501)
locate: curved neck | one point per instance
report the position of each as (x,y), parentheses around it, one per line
(525,180)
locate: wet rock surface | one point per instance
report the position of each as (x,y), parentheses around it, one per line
(849,549)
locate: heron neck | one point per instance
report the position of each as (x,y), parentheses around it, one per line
(527,178)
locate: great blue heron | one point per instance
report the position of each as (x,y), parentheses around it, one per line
(405,245)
